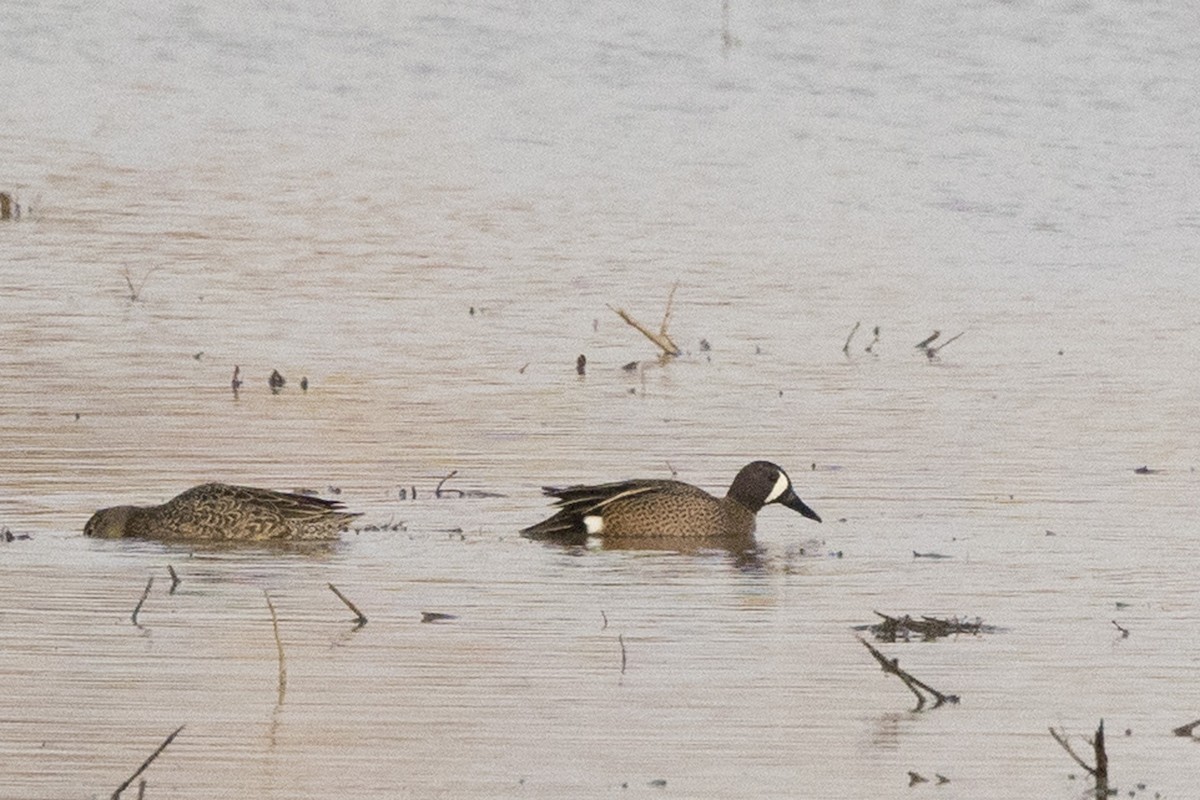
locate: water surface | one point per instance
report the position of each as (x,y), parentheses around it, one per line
(427,211)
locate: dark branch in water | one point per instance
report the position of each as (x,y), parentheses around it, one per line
(924,343)
(892,665)
(362,618)
(146,763)
(1186,730)
(145,594)
(1100,771)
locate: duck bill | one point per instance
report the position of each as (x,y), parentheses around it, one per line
(792,501)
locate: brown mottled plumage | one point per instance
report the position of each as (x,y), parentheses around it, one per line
(221,512)
(667,509)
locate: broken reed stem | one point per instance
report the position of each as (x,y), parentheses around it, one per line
(621,641)
(854,330)
(146,763)
(916,686)
(661,339)
(604,617)
(145,594)
(141,789)
(362,618)
(278,646)
(175,580)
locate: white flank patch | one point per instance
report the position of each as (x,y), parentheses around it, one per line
(594,524)
(781,486)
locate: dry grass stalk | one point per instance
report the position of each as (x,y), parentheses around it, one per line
(278,646)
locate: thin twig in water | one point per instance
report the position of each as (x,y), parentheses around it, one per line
(135,292)
(854,330)
(278,646)
(1100,770)
(145,594)
(933,351)
(621,641)
(146,763)
(437,492)
(175,580)
(362,618)
(604,617)
(662,329)
(874,341)
(141,789)
(662,339)
(924,343)
(892,665)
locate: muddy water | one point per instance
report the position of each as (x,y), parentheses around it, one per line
(426,212)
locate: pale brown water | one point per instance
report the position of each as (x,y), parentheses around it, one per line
(331,194)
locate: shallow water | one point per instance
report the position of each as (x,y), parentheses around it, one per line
(425,211)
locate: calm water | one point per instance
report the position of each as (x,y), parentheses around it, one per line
(426,211)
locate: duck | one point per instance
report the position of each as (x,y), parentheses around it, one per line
(667,508)
(223,512)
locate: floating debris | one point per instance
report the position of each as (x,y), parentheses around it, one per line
(1144,470)
(903,628)
(437,616)
(304,383)
(199,355)
(581,365)
(236,382)
(934,556)
(6,206)
(631,366)
(175,580)
(276,381)
(8,536)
